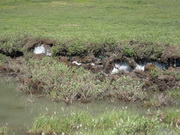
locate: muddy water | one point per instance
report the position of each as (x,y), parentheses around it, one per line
(17,110)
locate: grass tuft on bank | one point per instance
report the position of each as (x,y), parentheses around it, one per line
(61,82)
(4,130)
(114,123)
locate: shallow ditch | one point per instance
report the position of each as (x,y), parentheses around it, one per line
(107,59)
(106,63)
(113,64)
(110,65)
(18,110)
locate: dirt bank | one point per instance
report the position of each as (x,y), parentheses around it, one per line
(148,67)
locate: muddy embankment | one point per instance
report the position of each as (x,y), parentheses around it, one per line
(157,66)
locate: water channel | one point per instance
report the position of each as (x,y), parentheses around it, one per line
(18,110)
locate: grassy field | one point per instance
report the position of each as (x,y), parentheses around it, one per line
(92,20)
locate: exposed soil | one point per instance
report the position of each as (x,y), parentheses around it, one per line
(124,51)
(104,60)
(32,43)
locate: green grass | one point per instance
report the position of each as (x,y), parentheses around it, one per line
(109,123)
(158,100)
(172,117)
(2,58)
(81,25)
(92,20)
(175,93)
(4,130)
(61,82)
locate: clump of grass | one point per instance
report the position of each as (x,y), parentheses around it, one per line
(13,43)
(174,92)
(121,122)
(139,50)
(2,59)
(61,81)
(175,74)
(155,73)
(159,100)
(4,130)
(76,47)
(59,124)
(127,88)
(169,82)
(128,51)
(171,117)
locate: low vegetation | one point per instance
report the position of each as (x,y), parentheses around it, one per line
(158,100)
(2,59)
(171,117)
(4,130)
(114,123)
(61,82)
